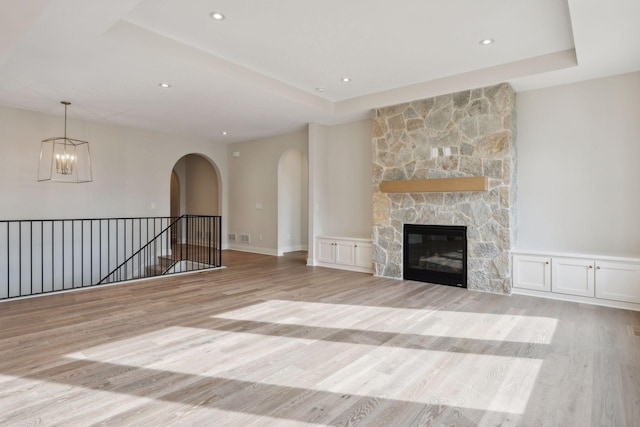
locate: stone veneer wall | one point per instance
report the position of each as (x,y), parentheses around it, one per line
(473,133)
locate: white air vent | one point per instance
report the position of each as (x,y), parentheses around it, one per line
(245,238)
(232,237)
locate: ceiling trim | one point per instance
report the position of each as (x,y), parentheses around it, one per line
(470,80)
(128,33)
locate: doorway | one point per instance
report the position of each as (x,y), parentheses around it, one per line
(195,186)
(196,189)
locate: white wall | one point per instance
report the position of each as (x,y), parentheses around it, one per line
(131,169)
(253,198)
(579,167)
(349,207)
(340,170)
(318,161)
(293,202)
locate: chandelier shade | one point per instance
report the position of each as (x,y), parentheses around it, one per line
(65,159)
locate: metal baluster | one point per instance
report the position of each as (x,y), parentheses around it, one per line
(100,254)
(117,248)
(63,263)
(73,255)
(131,258)
(20,258)
(108,245)
(91,255)
(8,263)
(41,257)
(188,238)
(31,258)
(82,253)
(53,276)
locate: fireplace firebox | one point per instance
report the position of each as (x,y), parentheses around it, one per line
(435,254)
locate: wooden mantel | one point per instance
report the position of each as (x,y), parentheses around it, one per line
(435,185)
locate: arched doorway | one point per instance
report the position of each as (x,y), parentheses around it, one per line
(293,201)
(197,186)
(195,189)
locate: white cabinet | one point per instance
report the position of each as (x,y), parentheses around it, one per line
(601,280)
(325,251)
(573,276)
(532,272)
(618,281)
(364,255)
(344,253)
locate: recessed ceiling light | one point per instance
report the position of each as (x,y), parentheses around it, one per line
(485,42)
(217,16)
(224,132)
(320,89)
(346,80)
(164,85)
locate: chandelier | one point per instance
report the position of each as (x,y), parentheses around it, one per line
(65,159)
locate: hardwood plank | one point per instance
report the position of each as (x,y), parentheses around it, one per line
(270,341)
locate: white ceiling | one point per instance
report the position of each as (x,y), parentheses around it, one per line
(255,73)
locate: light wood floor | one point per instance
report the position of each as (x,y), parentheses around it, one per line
(269,341)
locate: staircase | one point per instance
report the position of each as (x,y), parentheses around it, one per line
(198,258)
(164,263)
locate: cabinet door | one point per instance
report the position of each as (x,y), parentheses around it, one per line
(364,253)
(532,272)
(345,252)
(572,276)
(325,250)
(618,281)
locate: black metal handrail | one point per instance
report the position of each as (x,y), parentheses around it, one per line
(123,266)
(49,255)
(192,231)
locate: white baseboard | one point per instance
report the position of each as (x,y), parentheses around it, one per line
(253,249)
(576,298)
(345,267)
(293,248)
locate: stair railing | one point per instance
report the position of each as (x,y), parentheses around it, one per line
(50,255)
(127,269)
(200,238)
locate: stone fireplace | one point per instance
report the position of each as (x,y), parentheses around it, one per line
(465,134)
